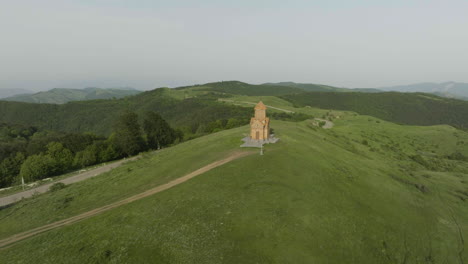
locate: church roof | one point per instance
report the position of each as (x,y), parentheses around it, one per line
(260,106)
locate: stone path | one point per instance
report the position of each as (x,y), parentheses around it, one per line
(248,142)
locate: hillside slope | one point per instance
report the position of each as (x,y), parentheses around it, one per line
(310,87)
(353,194)
(241,88)
(403,108)
(98,116)
(193,108)
(63,95)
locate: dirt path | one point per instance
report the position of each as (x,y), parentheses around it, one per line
(13,198)
(328,124)
(7,242)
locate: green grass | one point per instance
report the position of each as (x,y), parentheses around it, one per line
(317,196)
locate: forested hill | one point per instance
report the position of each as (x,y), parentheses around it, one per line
(98,116)
(403,108)
(310,87)
(63,95)
(241,88)
(196,109)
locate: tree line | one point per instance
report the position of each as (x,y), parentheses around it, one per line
(402,108)
(31,154)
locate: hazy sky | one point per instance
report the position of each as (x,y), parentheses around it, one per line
(147,44)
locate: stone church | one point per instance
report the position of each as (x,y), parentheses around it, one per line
(260,124)
(259,129)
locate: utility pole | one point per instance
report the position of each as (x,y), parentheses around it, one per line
(22,182)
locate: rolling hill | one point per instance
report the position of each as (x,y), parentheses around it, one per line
(446,89)
(309,87)
(403,108)
(241,88)
(99,116)
(64,95)
(194,107)
(366,191)
(12,92)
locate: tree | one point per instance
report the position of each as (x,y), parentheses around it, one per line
(37,167)
(158,132)
(109,150)
(128,136)
(232,123)
(87,157)
(62,157)
(10,168)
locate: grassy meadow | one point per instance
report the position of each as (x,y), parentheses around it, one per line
(366,191)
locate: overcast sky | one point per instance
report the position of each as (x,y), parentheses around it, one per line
(147,44)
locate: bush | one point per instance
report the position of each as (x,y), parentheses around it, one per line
(457,156)
(419,159)
(57,186)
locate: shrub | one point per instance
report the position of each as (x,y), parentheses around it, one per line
(57,186)
(457,156)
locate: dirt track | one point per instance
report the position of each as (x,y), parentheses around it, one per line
(8,242)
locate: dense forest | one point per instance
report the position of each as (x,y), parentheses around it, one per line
(310,87)
(235,87)
(402,108)
(196,115)
(97,116)
(29,153)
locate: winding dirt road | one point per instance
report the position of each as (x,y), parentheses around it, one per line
(8,242)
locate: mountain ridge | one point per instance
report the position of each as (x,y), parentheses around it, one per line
(64,95)
(446,89)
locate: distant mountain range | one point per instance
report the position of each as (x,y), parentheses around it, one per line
(64,95)
(310,87)
(12,92)
(446,89)
(197,108)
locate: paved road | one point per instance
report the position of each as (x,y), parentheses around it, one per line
(77,178)
(8,242)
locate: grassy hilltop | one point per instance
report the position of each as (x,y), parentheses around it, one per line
(366,191)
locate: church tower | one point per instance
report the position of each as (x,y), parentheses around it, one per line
(260,124)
